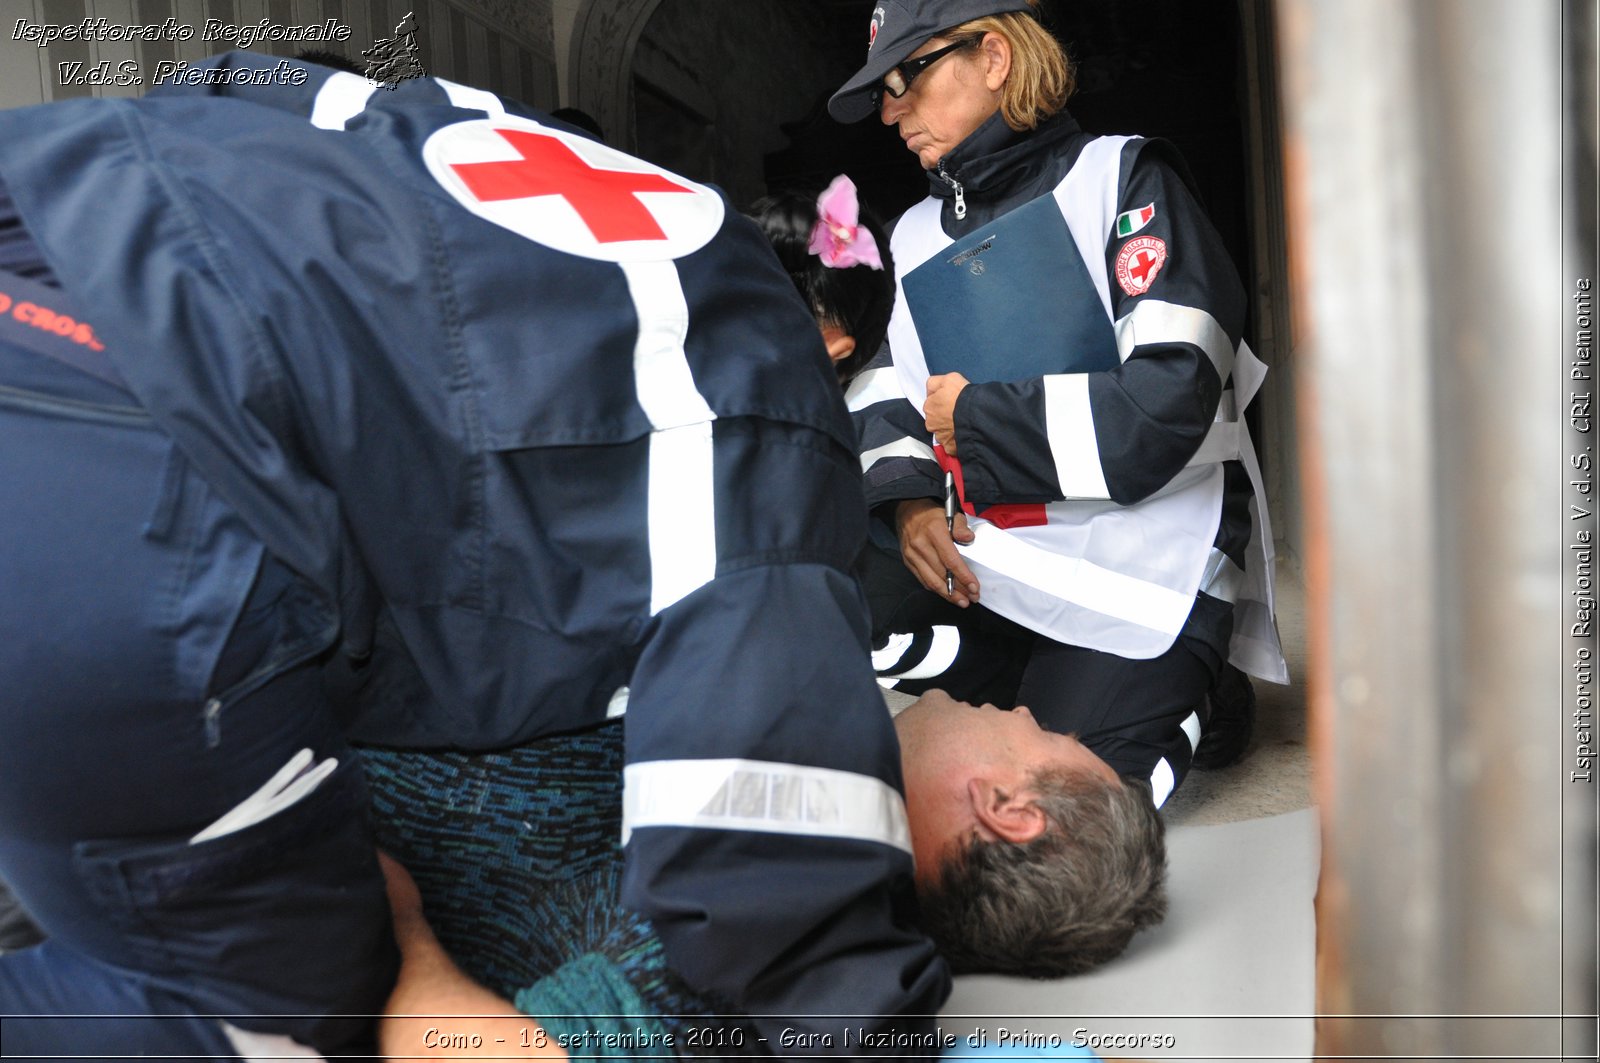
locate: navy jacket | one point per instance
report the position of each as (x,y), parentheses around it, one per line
(535,475)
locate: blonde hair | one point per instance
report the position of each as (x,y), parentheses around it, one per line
(1041,75)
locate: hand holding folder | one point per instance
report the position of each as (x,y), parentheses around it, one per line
(939,409)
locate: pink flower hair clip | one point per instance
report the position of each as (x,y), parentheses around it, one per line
(839,238)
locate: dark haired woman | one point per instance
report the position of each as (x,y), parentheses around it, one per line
(837,255)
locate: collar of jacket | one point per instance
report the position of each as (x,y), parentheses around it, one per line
(987,161)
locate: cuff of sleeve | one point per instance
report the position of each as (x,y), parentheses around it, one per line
(589,1005)
(894,481)
(978,480)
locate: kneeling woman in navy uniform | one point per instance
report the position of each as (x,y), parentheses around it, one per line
(1055,434)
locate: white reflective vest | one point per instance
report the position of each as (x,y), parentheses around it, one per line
(1121,579)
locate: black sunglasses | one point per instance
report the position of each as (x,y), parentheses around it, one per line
(901,75)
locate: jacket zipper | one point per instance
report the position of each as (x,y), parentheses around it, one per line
(961,193)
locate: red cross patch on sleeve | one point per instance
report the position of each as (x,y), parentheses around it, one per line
(571,193)
(1138,263)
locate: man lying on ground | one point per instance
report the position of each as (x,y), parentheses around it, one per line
(1032,858)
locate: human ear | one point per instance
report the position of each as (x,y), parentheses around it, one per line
(1013,815)
(841,345)
(996,60)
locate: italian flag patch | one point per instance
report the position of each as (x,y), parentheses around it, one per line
(1134,220)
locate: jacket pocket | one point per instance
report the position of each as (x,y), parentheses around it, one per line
(288,915)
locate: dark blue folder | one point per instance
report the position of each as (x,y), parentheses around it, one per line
(1011,300)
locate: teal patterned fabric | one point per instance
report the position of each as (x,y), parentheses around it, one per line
(591,1005)
(519,861)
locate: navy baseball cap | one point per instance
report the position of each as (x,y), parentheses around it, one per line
(900,27)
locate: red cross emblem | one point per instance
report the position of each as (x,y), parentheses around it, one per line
(606,200)
(1138,263)
(1144,261)
(570,193)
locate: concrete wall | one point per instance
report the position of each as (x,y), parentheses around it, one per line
(1437,328)
(1278,337)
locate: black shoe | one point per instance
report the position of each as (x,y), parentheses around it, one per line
(1231,723)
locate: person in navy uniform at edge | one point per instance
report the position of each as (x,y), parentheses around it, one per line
(1106,515)
(413,388)
(523,429)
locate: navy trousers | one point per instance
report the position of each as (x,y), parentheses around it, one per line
(1134,714)
(156,668)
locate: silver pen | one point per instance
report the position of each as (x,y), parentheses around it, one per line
(950,524)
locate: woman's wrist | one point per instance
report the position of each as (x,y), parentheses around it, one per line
(906,507)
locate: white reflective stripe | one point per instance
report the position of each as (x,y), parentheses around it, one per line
(940,656)
(1223,578)
(893,650)
(1257,650)
(1070,427)
(1087,197)
(682,502)
(472,99)
(1255,647)
(904,447)
(1248,373)
(682,490)
(341,98)
(917,238)
(1165,324)
(1155,322)
(261,1047)
(758,795)
(1161,782)
(618,704)
(1220,444)
(873,386)
(660,367)
(1080,582)
(1191,730)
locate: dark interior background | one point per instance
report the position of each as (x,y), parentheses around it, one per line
(1167,68)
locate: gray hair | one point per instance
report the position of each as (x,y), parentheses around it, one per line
(1065,902)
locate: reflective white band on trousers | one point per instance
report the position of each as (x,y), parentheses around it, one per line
(943,648)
